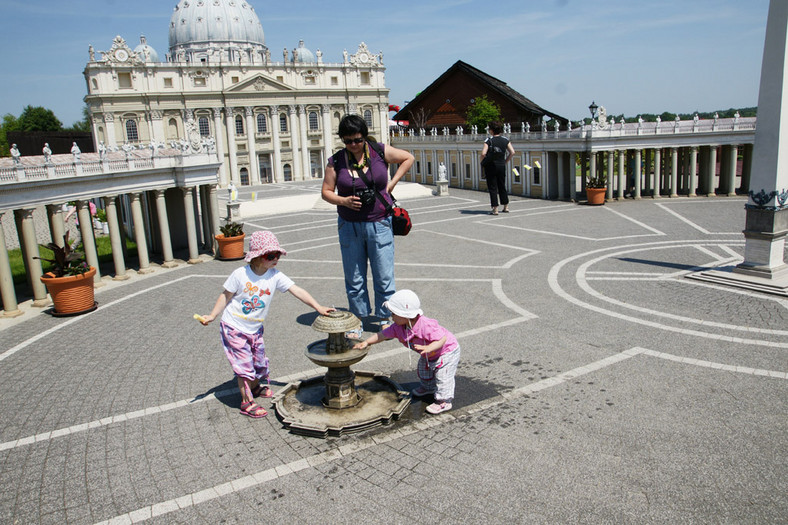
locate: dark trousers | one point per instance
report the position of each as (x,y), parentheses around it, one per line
(496,185)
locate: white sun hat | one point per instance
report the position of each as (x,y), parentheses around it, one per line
(404,303)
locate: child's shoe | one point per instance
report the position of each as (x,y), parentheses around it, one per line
(437,408)
(420,391)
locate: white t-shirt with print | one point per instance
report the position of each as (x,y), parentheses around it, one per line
(252,295)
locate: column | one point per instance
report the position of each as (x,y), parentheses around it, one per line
(693,170)
(712,170)
(293,123)
(674,172)
(231,148)
(139,233)
(622,174)
(746,168)
(57,227)
(88,240)
(28,243)
(276,158)
(560,168)
(304,143)
(384,123)
(648,180)
(7,291)
(572,176)
(191,227)
(731,172)
(214,214)
(638,175)
(115,238)
(251,129)
(592,167)
(109,125)
(164,230)
(657,172)
(217,133)
(584,162)
(205,217)
(325,112)
(766,224)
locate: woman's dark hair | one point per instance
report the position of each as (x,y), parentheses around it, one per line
(352,124)
(496,127)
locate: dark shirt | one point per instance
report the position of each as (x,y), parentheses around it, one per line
(347,180)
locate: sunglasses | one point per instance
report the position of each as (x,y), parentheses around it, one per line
(272,256)
(354,141)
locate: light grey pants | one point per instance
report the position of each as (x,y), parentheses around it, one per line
(438,376)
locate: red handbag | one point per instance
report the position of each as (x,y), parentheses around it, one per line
(400,221)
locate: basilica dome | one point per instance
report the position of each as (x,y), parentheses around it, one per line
(302,55)
(145,52)
(218,24)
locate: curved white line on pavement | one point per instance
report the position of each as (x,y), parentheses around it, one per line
(552,280)
(583,283)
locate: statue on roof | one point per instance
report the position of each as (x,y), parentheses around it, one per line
(47,153)
(15,154)
(75,151)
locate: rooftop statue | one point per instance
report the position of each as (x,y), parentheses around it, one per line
(47,153)
(15,153)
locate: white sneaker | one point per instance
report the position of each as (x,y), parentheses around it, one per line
(437,408)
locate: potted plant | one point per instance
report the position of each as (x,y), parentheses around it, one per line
(231,241)
(70,280)
(101,217)
(596,187)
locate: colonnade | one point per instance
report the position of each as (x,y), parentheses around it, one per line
(151,225)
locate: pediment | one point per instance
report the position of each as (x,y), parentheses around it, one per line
(259,83)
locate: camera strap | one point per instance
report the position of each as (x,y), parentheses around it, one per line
(386,205)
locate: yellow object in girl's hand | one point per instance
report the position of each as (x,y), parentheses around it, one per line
(200,318)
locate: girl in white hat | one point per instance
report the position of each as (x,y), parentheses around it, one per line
(243,305)
(438,348)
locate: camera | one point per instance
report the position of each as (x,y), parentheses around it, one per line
(366,196)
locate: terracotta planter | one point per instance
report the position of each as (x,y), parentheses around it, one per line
(596,195)
(230,248)
(71,294)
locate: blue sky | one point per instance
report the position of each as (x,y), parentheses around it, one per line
(630,56)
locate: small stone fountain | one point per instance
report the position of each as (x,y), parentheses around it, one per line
(342,401)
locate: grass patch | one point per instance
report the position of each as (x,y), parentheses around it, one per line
(103,247)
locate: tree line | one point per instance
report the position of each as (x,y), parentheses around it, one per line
(37,118)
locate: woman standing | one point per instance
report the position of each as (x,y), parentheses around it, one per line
(499,150)
(363,222)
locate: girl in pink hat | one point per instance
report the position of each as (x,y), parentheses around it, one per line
(243,305)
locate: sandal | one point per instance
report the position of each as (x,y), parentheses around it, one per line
(493,213)
(252,409)
(504,210)
(262,391)
(354,334)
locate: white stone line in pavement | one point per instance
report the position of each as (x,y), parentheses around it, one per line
(634,221)
(569,235)
(552,280)
(582,281)
(716,366)
(357,445)
(497,291)
(37,337)
(716,256)
(689,222)
(480,241)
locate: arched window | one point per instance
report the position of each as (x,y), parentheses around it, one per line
(205,128)
(288,172)
(244,177)
(313,122)
(172,129)
(131,131)
(283,123)
(262,126)
(368,117)
(239,125)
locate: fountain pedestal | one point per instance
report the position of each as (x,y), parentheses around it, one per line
(342,401)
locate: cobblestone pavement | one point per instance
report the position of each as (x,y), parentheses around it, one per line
(597,383)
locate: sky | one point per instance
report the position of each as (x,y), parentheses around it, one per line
(630,56)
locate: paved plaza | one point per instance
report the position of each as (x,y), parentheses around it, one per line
(597,384)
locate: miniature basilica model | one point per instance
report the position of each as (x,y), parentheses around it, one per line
(269,119)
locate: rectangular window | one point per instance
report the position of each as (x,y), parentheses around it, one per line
(467,171)
(280,78)
(124,80)
(309,80)
(205,129)
(199,82)
(334,81)
(235,80)
(453,170)
(365,78)
(537,176)
(429,168)
(168,82)
(418,166)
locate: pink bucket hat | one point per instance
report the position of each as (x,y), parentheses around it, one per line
(261,243)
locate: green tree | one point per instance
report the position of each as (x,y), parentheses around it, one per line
(10,123)
(84,124)
(37,118)
(482,112)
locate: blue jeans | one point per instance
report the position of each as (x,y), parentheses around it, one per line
(361,242)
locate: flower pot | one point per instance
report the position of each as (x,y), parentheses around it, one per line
(71,294)
(230,248)
(596,195)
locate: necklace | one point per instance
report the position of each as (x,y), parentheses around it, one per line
(364,160)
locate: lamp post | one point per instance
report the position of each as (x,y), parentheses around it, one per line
(592,108)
